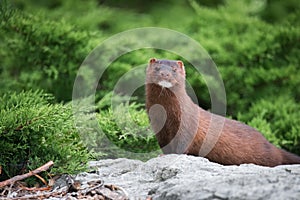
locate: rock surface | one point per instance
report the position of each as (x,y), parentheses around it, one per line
(187,177)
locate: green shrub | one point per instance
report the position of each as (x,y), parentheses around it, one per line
(135,137)
(116,129)
(40,54)
(277,11)
(124,130)
(33,131)
(256,60)
(94,16)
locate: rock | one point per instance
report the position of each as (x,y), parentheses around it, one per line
(188,177)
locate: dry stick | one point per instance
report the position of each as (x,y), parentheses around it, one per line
(29,174)
(92,188)
(41,178)
(41,196)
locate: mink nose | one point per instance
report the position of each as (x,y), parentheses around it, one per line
(164,74)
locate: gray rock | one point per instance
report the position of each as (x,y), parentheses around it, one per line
(188,177)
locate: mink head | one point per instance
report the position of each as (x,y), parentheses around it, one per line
(166,73)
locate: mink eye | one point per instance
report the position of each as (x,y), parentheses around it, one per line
(174,69)
(157,68)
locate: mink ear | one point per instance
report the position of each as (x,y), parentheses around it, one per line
(152,60)
(181,66)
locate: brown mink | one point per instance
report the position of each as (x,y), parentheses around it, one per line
(181,126)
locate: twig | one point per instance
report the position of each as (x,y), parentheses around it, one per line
(41,196)
(35,189)
(41,178)
(29,174)
(93,188)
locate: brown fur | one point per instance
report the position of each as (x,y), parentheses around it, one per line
(182,126)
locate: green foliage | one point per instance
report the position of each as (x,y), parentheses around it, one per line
(276,11)
(210,3)
(256,60)
(116,129)
(127,127)
(40,54)
(91,15)
(33,131)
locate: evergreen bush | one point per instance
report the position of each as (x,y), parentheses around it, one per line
(125,130)
(34,131)
(40,54)
(256,60)
(127,126)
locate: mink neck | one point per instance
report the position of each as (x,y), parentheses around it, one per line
(153,87)
(166,96)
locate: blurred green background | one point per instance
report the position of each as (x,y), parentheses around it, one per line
(254,43)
